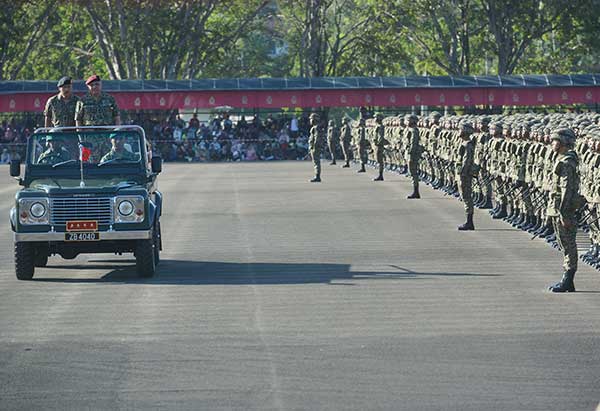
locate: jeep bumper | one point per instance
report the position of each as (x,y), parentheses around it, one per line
(54,236)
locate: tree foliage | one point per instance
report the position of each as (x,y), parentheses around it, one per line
(181,39)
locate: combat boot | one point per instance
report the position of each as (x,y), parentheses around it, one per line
(487,204)
(565,285)
(518,221)
(332,163)
(501,212)
(346,165)
(415,194)
(379,178)
(362,169)
(317,179)
(468,226)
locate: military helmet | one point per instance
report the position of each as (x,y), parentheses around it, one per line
(466,126)
(379,116)
(435,114)
(410,117)
(345,120)
(331,123)
(565,135)
(314,115)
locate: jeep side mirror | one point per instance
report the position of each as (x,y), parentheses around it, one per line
(156,164)
(15,168)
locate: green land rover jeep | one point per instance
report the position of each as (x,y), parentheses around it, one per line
(87,190)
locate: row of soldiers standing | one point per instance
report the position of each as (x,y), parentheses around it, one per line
(523,168)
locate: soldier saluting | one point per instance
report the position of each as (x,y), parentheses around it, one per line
(60,108)
(563,204)
(97,108)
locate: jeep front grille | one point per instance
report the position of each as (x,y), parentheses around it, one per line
(69,209)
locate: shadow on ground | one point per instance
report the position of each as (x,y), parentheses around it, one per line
(180,272)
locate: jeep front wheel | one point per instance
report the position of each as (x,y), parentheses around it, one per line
(24,260)
(145,259)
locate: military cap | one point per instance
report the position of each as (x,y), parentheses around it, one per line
(331,123)
(485,120)
(116,135)
(64,81)
(314,115)
(379,115)
(92,79)
(345,120)
(411,117)
(435,114)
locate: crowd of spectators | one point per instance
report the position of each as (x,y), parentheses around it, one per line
(224,138)
(13,136)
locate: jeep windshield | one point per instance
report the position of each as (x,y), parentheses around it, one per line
(95,148)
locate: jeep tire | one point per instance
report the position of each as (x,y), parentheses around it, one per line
(145,261)
(41,256)
(156,237)
(24,260)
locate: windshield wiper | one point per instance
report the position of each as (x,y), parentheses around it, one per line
(62,163)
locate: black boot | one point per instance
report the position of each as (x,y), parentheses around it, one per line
(501,212)
(487,203)
(346,165)
(362,169)
(379,178)
(317,179)
(332,163)
(415,194)
(468,226)
(565,285)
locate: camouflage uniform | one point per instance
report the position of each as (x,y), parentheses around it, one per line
(362,145)
(332,140)
(465,171)
(61,111)
(51,156)
(124,154)
(346,138)
(101,111)
(315,145)
(562,207)
(378,144)
(414,153)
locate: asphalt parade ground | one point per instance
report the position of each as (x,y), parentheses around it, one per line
(274,293)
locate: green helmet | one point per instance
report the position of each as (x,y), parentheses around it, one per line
(565,135)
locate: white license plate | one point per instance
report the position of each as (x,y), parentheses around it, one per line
(82,236)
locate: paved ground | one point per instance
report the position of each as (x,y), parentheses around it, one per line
(279,294)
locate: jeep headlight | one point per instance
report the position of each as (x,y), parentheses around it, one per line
(125,208)
(129,209)
(33,211)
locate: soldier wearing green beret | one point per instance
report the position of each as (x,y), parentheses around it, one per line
(118,152)
(60,108)
(55,153)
